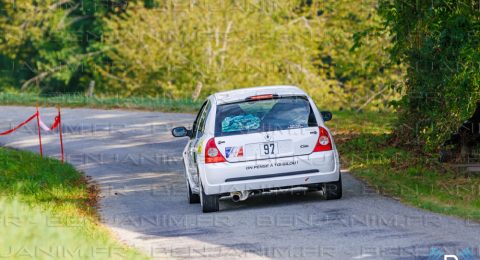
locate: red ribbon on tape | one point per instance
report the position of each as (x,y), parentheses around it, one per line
(20,125)
(51,128)
(56,123)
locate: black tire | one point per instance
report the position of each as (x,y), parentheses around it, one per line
(210,203)
(333,190)
(192,197)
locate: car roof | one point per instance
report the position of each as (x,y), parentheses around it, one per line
(242,94)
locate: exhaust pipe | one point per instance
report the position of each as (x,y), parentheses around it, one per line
(239,195)
(236,197)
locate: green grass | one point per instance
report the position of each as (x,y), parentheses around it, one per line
(80,100)
(412,177)
(47,210)
(345,122)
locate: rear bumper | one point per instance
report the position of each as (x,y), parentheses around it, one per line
(266,174)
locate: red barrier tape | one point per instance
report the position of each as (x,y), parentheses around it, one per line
(56,123)
(20,125)
(51,128)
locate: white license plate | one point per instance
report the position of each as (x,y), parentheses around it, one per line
(269,148)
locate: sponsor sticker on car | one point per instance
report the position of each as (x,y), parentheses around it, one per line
(200,147)
(233,152)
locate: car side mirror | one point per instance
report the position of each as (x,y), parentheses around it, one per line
(181,131)
(326,115)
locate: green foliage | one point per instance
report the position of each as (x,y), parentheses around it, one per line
(45,205)
(199,50)
(46,44)
(355,50)
(413,177)
(335,50)
(332,50)
(438,40)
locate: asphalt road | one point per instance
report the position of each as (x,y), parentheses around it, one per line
(137,164)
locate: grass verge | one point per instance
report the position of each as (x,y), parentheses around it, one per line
(47,210)
(412,177)
(80,100)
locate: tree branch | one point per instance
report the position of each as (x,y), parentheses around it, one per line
(371,99)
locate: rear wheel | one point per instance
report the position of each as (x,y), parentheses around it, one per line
(210,203)
(192,197)
(333,190)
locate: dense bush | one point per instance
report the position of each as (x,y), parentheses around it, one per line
(336,50)
(49,45)
(439,40)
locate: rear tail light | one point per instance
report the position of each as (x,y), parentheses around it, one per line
(324,142)
(212,154)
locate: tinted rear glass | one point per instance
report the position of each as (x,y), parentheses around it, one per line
(264,115)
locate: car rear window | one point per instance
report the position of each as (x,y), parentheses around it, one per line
(264,115)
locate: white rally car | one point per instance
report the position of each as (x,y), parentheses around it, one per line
(255,140)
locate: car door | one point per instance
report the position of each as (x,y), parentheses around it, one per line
(198,131)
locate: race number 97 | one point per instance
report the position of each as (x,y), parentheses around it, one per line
(269,149)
